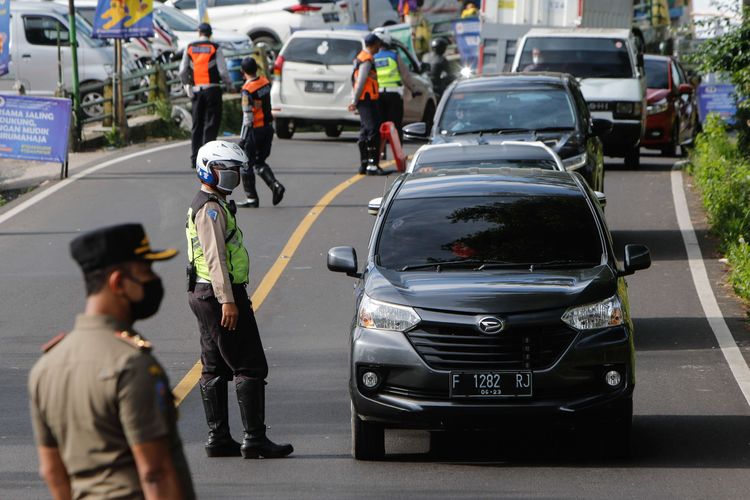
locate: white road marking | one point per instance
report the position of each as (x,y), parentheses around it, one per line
(732,354)
(53,189)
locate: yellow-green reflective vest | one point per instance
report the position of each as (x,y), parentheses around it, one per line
(238,261)
(386,65)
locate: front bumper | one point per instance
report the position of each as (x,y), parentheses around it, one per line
(658,130)
(314,114)
(625,135)
(414,395)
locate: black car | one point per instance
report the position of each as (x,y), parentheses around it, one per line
(485,296)
(547,107)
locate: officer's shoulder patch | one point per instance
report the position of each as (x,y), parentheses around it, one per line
(53,341)
(212,213)
(134,340)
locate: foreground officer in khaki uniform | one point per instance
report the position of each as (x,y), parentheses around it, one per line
(103,413)
(230,342)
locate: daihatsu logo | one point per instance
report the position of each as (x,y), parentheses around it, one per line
(490,325)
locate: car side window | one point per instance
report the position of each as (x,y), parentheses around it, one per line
(676,80)
(407,60)
(185,4)
(45,30)
(681,72)
(582,107)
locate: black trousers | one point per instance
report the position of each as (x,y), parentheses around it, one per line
(391,107)
(225,353)
(207,108)
(258,145)
(369,119)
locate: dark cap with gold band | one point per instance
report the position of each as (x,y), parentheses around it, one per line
(112,245)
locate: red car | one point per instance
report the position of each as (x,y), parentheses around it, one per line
(672,111)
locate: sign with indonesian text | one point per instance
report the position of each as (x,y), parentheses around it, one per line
(34,128)
(124,19)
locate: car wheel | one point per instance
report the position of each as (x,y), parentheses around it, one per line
(94,109)
(368,439)
(633,158)
(671,150)
(428,117)
(334,130)
(284,128)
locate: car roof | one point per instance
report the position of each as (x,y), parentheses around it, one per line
(514,79)
(579,32)
(454,151)
(343,34)
(39,6)
(501,181)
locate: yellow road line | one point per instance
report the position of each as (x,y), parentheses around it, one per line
(183,388)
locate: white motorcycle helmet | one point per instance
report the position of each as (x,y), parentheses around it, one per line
(218,165)
(385,38)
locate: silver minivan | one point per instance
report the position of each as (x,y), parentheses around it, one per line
(35,28)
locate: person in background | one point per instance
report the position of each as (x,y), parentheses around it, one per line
(441,73)
(537,61)
(393,79)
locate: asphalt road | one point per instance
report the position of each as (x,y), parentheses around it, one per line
(692,424)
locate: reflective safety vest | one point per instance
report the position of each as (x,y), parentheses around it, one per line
(386,65)
(259,101)
(238,260)
(203,62)
(371,84)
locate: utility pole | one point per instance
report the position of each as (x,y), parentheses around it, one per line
(365,11)
(76,86)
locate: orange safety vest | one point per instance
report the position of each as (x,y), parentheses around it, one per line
(203,61)
(371,84)
(259,113)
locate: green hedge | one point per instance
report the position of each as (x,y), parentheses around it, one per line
(722,173)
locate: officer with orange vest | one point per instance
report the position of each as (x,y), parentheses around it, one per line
(202,72)
(257,134)
(365,101)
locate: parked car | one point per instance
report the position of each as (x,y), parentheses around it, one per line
(269,23)
(312,82)
(454,156)
(545,107)
(609,66)
(672,109)
(490,295)
(186,29)
(34,28)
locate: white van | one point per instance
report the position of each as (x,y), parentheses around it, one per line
(610,70)
(34,28)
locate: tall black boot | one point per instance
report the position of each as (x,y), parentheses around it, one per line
(220,442)
(248,184)
(252,400)
(265,173)
(363,157)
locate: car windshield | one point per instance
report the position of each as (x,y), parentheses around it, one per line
(326,51)
(176,20)
(581,57)
(509,110)
(656,74)
(429,167)
(508,230)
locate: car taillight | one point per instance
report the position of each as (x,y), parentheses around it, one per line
(278,66)
(302,9)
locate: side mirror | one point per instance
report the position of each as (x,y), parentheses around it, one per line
(373,208)
(416,131)
(343,260)
(685,89)
(601,126)
(637,257)
(425,67)
(602,198)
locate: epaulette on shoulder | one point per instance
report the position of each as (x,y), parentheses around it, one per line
(53,341)
(134,340)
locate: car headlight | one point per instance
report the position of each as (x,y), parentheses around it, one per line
(657,107)
(593,316)
(628,109)
(384,316)
(575,162)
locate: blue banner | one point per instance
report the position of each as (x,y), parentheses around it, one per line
(124,19)
(4,36)
(719,98)
(34,128)
(468,41)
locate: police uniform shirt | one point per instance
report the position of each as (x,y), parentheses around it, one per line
(211,225)
(93,396)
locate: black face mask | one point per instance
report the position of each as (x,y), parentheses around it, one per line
(153,293)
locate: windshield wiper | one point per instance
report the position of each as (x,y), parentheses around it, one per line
(553,129)
(480,263)
(556,264)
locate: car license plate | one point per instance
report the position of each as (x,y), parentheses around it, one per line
(319,87)
(490,384)
(331,17)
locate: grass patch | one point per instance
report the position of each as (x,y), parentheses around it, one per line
(722,172)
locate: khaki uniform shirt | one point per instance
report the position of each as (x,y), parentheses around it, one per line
(93,396)
(211,225)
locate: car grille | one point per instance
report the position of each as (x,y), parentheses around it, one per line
(457,347)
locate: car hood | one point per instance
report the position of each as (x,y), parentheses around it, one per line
(555,140)
(491,292)
(611,89)
(654,95)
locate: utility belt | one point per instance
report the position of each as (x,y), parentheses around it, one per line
(199,88)
(392,90)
